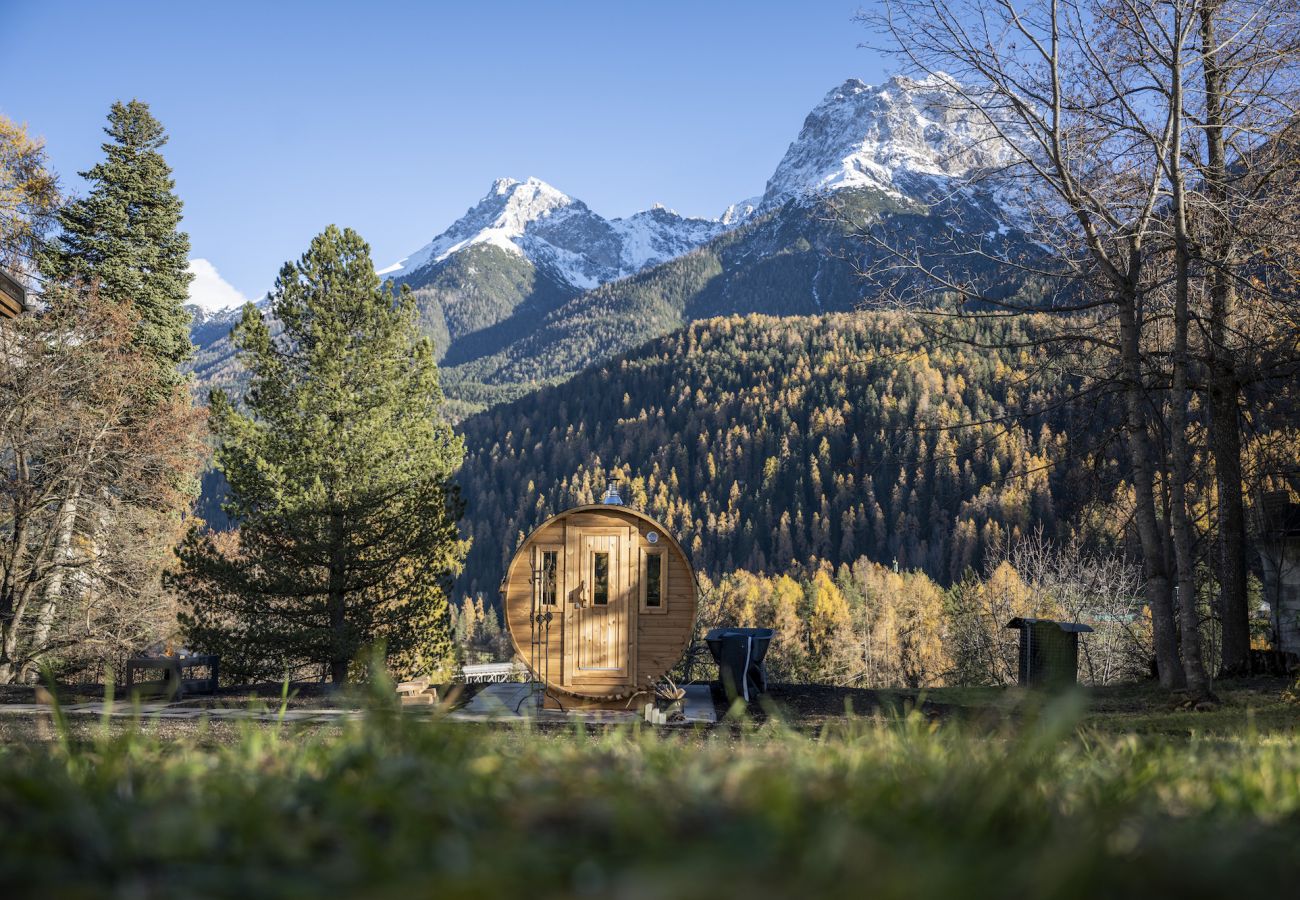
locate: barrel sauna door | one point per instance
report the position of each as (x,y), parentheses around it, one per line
(598,653)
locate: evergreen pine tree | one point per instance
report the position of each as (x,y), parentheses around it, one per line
(125,236)
(340,480)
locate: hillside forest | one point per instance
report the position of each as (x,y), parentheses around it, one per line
(848,433)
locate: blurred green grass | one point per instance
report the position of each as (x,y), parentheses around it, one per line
(398,806)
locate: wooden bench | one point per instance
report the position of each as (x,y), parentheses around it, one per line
(174,684)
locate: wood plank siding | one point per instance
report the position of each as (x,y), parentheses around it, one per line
(12,298)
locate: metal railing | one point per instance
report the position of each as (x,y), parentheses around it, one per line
(489,673)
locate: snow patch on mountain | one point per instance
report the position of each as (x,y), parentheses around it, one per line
(659,234)
(739,213)
(888,138)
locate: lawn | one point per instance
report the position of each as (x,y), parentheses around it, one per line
(1257,705)
(1027,800)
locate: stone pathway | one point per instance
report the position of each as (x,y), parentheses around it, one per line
(493,703)
(179,711)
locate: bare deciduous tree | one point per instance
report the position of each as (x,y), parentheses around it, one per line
(1036,577)
(1141,135)
(92,483)
(1099,590)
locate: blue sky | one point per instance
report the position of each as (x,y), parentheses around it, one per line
(394,118)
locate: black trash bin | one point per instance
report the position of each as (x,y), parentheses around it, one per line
(739,654)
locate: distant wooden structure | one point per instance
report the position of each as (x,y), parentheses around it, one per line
(600,604)
(13,297)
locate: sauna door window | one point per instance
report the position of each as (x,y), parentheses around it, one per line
(600,578)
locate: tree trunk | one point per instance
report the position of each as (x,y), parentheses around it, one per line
(11,619)
(1180,475)
(1165,634)
(1180,398)
(8,646)
(53,592)
(1225,443)
(12,599)
(339,656)
(1223,395)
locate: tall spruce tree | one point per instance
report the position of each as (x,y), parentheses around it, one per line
(340,479)
(125,237)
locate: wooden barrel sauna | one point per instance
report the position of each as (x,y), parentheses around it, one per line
(600,602)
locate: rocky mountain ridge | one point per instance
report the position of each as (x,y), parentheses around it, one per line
(900,138)
(531,285)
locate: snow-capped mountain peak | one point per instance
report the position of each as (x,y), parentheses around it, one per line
(499,219)
(885,137)
(552,230)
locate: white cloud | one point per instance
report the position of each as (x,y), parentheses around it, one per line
(209,291)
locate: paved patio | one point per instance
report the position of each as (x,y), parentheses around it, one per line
(493,703)
(122,709)
(516,702)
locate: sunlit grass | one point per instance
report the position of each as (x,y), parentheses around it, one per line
(401,806)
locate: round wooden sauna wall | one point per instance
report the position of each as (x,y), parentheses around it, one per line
(621,595)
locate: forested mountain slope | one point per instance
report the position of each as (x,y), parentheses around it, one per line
(763,441)
(807,257)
